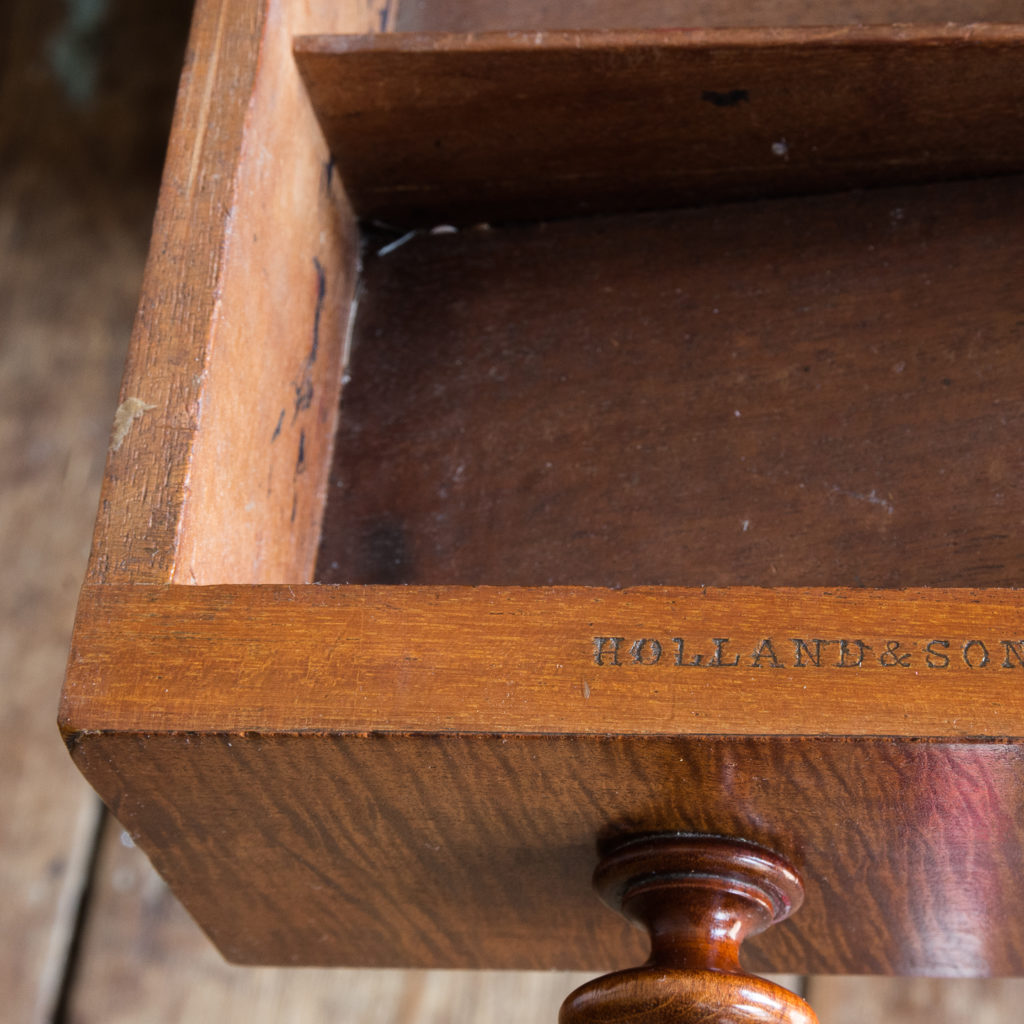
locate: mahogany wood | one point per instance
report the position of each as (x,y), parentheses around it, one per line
(430,129)
(731,395)
(914,664)
(699,898)
(358,756)
(417,776)
(530,15)
(454,849)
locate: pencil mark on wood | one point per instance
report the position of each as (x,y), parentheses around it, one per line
(303,388)
(321,292)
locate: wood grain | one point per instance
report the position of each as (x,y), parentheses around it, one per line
(806,392)
(531,15)
(58,343)
(434,129)
(251,271)
(419,776)
(81,142)
(476,851)
(939,664)
(407,744)
(143,958)
(698,898)
(916,1000)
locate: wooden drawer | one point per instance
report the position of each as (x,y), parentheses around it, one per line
(600,433)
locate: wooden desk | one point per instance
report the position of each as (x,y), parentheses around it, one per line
(813,393)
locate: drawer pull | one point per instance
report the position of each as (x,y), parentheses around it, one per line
(698,897)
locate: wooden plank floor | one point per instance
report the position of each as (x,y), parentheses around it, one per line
(73,213)
(85,98)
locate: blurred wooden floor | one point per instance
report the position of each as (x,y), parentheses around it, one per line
(90,933)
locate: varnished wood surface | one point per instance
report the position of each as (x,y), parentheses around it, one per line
(234,816)
(142,957)
(939,664)
(389,738)
(800,392)
(476,850)
(698,898)
(429,129)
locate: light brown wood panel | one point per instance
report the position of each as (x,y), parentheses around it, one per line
(241,321)
(939,664)
(511,15)
(915,1000)
(814,391)
(434,129)
(54,389)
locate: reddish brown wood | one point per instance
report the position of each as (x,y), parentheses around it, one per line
(808,392)
(430,129)
(699,898)
(317,772)
(359,755)
(455,849)
(530,15)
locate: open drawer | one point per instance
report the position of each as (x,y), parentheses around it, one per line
(530,439)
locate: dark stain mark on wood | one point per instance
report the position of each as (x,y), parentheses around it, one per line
(321,291)
(277,430)
(303,394)
(731,98)
(300,459)
(304,387)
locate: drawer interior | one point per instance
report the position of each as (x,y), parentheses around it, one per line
(816,391)
(511,15)
(678,309)
(642,235)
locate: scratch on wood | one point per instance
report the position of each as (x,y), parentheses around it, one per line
(127,413)
(206,105)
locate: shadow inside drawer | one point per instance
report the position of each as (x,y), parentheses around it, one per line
(813,391)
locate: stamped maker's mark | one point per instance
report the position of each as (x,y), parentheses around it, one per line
(807,653)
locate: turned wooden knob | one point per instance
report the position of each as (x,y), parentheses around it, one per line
(699,897)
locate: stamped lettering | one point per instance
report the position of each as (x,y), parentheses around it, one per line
(808,653)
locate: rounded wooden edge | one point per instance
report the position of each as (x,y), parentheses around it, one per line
(685,858)
(645,996)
